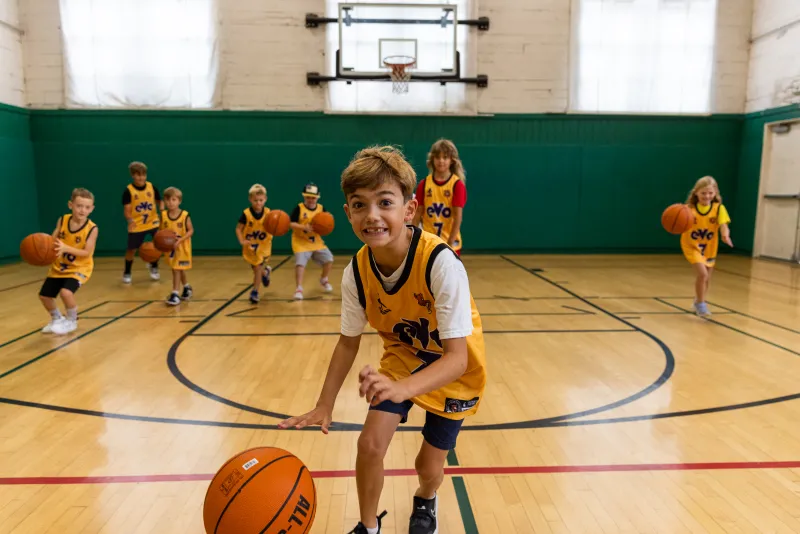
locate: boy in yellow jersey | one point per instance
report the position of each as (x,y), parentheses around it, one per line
(701,242)
(141,204)
(75,238)
(413,289)
(443,195)
(307,244)
(255,240)
(180,259)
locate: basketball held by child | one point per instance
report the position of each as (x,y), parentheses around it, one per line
(277,222)
(262,490)
(322,223)
(38,249)
(165,240)
(149,253)
(677,219)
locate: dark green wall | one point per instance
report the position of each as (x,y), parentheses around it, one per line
(535,182)
(750,151)
(17,180)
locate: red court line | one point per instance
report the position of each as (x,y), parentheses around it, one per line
(460,470)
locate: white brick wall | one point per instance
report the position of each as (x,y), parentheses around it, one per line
(266,52)
(775,55)
(12,80)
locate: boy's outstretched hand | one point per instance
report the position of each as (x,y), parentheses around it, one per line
(320,415)
(378,388)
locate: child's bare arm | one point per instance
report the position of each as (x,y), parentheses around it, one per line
(458,214)
(58,228)
(128,211)
(341,362)
(88,250)
(239,234)
(189,232)
(725,231)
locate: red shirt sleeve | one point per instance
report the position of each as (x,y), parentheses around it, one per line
(459,195)
(420,191)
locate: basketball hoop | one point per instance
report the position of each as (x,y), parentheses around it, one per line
(400,74)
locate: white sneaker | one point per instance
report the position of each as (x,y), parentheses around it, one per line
(326,285)
(48,328)
(298,295)
(126,279)
(65,326)
(154,274)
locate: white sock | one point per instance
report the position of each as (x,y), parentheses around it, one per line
(72,313)
(373,530)
(56,314)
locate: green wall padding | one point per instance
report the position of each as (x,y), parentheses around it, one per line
(17,181)
(535,182)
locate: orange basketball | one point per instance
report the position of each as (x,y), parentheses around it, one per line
(164,240)
(149,253)
(37,249)
(322,223)
(677,219)
(277,222)
(263,490)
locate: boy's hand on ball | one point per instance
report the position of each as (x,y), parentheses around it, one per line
(321,415)
(377,388)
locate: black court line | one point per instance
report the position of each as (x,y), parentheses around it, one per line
(585,312)
(729,327)
(147,317)
(237,315)
(61,346)
(190,321)
(748,277)
(23,336)
(729,310)
(9,288)
(292,334)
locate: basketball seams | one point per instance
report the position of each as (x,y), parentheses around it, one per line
(314,506)
(291,493)
(230,501)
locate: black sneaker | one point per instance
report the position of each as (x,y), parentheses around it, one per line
(265,276)
(361,529)
(423,518)
(187,292)
(173,299)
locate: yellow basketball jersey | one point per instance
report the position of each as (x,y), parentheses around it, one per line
(303,241)
(255,231)
(144,210)
(68,265)
(704,234)
(437,217)
(180,259)
(405,318)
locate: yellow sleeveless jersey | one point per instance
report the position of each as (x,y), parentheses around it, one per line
(255,231)
(68,265)
(144,209)
(701,243)
(181,259)
(405,319)
(303,241)
(437,217)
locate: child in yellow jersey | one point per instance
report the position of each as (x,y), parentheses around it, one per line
(443,195)
(255,240)
(413,289)
(306,243)
(180,259)
(141,204)
(75,238)
(700,243)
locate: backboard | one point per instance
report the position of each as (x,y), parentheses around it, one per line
(369,33)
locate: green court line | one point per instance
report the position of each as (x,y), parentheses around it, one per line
(462,497)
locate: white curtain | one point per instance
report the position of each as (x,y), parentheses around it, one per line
(643,55)
(422,97)
(140,53)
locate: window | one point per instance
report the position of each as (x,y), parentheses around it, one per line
(424,97)
(140,53)
(643,55)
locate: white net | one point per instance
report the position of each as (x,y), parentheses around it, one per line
(401,72)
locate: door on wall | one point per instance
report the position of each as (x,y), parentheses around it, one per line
(778,224)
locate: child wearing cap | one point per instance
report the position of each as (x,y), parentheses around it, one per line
(306,243)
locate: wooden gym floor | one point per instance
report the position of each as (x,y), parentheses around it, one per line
(610,408)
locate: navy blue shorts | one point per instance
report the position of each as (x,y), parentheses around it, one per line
(438,431)
(135,239)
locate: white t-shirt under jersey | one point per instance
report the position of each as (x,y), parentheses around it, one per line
(450,287)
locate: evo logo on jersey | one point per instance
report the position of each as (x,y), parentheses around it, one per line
(257,235)
(702,234)
(144,206)
(438,209)
(409,330)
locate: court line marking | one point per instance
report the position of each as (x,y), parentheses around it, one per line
(291,334)
(9,288)
(23,336)
(730,310)
(454,471)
